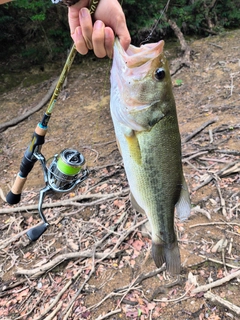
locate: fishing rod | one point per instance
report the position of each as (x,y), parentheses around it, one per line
(65,172)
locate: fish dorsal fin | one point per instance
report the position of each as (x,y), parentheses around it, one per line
(183,206)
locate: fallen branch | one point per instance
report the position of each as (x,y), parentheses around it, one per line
(218,262)
(107,315)
(218,173)
(131,286)
(222,200)
(176,299)
(123,237)
(141,277)
(33,307)
(67,202)
(57,298)
(36,272)
(68,310)
(224,303)
(22,117)
(217,283)
(213,224)
(52,315)
(198,130)
(202,211)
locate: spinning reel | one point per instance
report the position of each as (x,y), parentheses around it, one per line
(63,175)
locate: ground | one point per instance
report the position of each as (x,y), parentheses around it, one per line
(86,263)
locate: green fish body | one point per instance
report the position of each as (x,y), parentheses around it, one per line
(146,127)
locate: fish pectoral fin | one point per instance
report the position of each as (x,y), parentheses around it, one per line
(133,146)
(183,206)
(135,205)
(168,253)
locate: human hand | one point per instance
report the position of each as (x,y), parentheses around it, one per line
(98,36)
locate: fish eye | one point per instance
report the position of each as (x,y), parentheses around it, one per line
(160,74)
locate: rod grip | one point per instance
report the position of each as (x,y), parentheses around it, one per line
(14,196)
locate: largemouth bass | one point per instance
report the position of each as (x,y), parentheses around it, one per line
(145,121)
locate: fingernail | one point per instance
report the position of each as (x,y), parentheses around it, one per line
(84,12)
(98,25)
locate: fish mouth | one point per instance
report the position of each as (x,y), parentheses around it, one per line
(131,75)
(137,56)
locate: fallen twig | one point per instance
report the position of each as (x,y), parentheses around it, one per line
(202,127)
(218,173)
(195,155)
(141,277)
(203,211)
(216,283)
(218,262)
(67,312)
(67,202)
(215,45)
(222,200)
(57,298)
(36,272)
(224,303)
(52,315)
(107,315)
(176,299)
(33,307)
(213,224)
(123,236)
(122,291)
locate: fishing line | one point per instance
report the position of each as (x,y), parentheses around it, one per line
(156,23)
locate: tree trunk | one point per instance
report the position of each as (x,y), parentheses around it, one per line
(185,60)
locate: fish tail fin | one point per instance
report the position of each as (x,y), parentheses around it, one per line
(167,253)
(158,254)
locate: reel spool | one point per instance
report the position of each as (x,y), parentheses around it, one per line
(63,172)
(63,175)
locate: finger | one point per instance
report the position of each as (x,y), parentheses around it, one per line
(73,18)
(98,37)
(79,41)
(109,41)
(86,25)
(123,34)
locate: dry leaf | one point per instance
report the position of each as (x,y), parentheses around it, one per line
(192,279)
(73,244)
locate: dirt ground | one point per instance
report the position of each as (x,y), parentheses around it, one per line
(89,263)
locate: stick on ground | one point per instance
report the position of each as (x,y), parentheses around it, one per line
(217,283)
(201,128)
(222,302)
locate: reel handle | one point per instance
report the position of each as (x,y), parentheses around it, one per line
(36,232)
